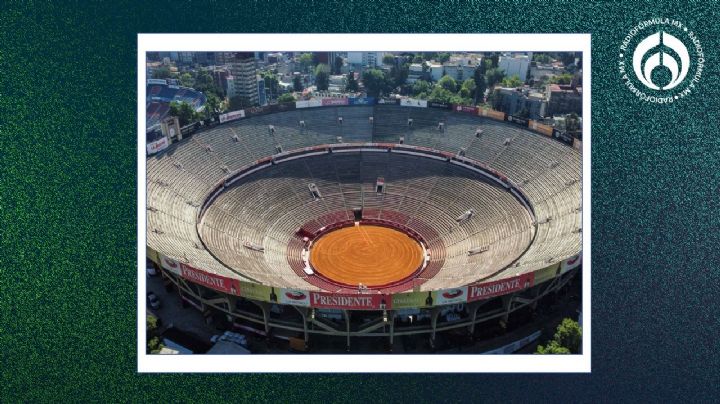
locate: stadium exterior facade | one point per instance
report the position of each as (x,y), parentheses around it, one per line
(537,167)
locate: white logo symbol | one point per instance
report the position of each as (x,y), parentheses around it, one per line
(678,71)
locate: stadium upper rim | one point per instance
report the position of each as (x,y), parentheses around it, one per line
(544,172)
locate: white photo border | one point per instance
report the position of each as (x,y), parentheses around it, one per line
(391,363)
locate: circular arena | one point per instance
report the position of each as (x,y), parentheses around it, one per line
(323,220)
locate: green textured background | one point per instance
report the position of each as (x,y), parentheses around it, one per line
(68,216)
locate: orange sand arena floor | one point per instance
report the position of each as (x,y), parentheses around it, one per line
(367,254)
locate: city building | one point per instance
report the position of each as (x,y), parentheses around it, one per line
(515,66)
(541,72)
(564,99)
(416,72)
(244,72)
(220,76)
(516,101)
(262,98)
(337,83)
(186,57)
(362,59)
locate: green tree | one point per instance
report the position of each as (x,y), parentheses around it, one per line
(512,82)
(212,106)
(572,122)
(448,83)
(494,59)
(480,83)
(187,80)
(162,73)
(494,76)
(352,84)
(154,345)
(567,58)
(567,339)
(204,82)
(417,59)
(441,94)
(297,84)
(543,58)
(388,60)
(399,75)
(569,335)
(375,82)
(306,60)
(185,113)
(286,98)
(421,86)
(467,90)
(271,83)
(443,57)
(552,348)
(322,77)
(238,102)
(152,323)
(564,78)
(338,64)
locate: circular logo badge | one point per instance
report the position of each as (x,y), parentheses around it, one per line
(661,60)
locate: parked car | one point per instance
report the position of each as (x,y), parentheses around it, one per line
(153,300)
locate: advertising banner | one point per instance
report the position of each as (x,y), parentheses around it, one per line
(152,255)
(450,296)
(254,291)
(412,300)
(547,273)
(413,102)
(158,145)
(390,101)
(334,101)
(571,263)
(501,287)
(492,114)
(465,109)
(563,137)
(440,105)
(308,104)
(349,301)
(255,111)
(540,128)
(517,120)
(231,116)
(295,297)
(362,101)
(170,264)
(212,281)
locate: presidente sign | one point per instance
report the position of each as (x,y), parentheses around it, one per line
(501,287)
(349,301)
(212,281)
